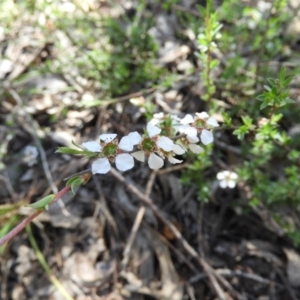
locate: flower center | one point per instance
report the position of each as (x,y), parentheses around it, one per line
(199,123)
(110,150)
(148,145)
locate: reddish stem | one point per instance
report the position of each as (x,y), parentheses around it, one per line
(27,220)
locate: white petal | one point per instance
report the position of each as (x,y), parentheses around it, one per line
(188,130)
(107,137)
(126,143)
(233,176)
(223,184)
(155,162)
(173,160)
(135,137)
(165,143)
(159,115)
(231,184)
(192,139)
(221,176)
(178,150)
(92,146)
(203,115)
(154,121)
(206,137)
(212,122)
(139,155)
(153,130)
(195,148)
(157,118)
(124,162)
(226,173)
(175,119)
(101,166)
(187,119)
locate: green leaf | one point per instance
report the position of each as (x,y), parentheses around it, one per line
(201,9)
(76,183)
(43,203)
(261,97)
(247,120)
(287,81)
(288,101)
(272,81)
(282,75)
(69,182)
(67,150)
(264,105)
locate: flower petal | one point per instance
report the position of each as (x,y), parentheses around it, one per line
(173,160)
(196,148)
(223,184)
(124,162)
(155,162)
(231,184)
(192,139)
(107,137)
(188,130)
(101,166)
(157,118)
(139,155)
(212,122)
(220,176)
(92,146)
(135,137)
(206,137)
(178,150)
(165,143)
(203,115)
(187,119)
(233,176)
(153,130)
(126,143)
(226,174)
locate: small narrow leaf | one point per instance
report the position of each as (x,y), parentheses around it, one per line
(43,203)
(67,150)
(282,74)
(76,145)
(70,181)
(76,183)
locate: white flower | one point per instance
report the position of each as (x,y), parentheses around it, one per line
(227,179)
(190,140)
(162,142)
(177,150)
(208,120)
(112,151)
(201,122)
(161,117)
(151,144)
(30,155)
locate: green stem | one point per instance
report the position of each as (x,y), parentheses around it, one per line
(27,220)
